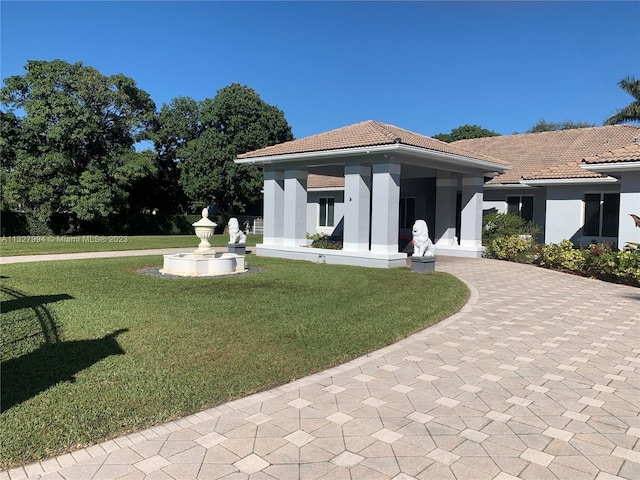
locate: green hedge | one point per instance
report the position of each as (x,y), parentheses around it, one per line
(15,224)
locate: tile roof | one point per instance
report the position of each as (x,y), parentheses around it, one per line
(315,180)
(629,153)
(366,134)
(551,155)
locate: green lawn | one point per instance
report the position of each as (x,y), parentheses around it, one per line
(92,349)
(37,245)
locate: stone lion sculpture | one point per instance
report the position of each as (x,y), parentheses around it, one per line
(235,234)
(422,244)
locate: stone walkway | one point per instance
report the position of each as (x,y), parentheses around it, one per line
(537,377)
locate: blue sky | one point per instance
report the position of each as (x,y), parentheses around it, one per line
(424,66)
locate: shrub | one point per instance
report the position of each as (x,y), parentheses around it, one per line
(514,237)
(515,248)
(599,260)
(331,242)
(562,256)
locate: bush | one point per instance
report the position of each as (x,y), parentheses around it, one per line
(599,261)
(331,242)
(509,237)
(515,248)
(562,256)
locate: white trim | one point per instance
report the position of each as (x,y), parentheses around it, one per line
(502,186)
(612,167)
(394,148)
(570,181)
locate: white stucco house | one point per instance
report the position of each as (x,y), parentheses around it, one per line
(371,180)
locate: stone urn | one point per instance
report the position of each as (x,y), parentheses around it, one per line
(204,229)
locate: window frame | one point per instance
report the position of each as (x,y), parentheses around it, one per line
(520,205)
(601,215)
(328,200)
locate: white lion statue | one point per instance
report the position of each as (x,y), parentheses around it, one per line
(235,234)
(422,244)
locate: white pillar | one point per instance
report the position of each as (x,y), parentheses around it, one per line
(385,207)
(295,207)
(446,193)
(273,207)
(629,203)
(357,208)
(471,221)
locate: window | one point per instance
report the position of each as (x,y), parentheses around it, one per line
(601,211)
(522,206)
(407,212)
(327,206)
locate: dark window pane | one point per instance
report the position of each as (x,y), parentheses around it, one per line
(526,212)
(403,213)
(591,215)
(323,212)
(610,212)
(330,208)
(513,205)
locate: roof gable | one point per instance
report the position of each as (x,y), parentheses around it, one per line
(365,134)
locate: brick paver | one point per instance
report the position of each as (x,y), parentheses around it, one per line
(536,377)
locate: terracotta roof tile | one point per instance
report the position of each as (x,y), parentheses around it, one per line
(366,134)
(564,170)
(629,153)
(555,154)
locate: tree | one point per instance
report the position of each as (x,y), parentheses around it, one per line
(544,126)
(465,132)
(205,137)
(630,113)
(77,134)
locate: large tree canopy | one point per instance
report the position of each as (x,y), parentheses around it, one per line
(465,132)
(77,129)
(630,113)
(204,138)
(544,126)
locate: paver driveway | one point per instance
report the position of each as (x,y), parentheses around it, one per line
(536,378)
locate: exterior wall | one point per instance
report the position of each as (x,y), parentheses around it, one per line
(313,209)
(629,203)
(565,212)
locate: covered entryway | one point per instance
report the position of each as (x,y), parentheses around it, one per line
(375,159)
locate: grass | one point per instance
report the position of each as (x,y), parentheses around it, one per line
(92,349)
(38,245)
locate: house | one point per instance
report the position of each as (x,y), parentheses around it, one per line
(371,180)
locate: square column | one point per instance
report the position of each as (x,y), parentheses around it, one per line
(357,208)
(295,207)
(385,215)
(446,192)
(471,222)
(629,203)
(273,206)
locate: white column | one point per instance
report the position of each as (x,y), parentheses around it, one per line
(446,192)
(273,207)
(471,221)
(629,203)
(295,207)
(357,208)
(385,207)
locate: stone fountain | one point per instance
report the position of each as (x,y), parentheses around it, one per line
(204,261)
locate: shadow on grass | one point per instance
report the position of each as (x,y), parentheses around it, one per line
(26,376)
(33,356)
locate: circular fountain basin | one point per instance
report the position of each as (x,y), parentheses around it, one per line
(194,265)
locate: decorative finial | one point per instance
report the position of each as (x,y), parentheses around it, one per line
(205,212)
